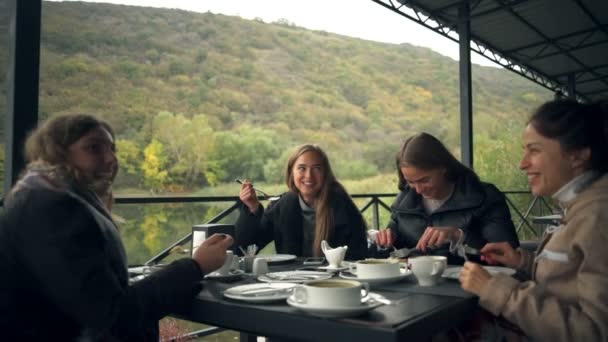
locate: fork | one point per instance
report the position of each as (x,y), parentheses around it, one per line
(401,253)
(240,181)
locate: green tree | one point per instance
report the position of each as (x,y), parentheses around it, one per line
(155,176)
(129,155)
(189,144)
(244,153)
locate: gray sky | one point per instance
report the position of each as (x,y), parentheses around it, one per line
(356,18)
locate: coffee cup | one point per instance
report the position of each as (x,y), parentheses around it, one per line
(428,269)
(228,264)
(331,293)
(376,268)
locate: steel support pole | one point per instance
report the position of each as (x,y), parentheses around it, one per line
(466,97)
(571,86)
(22,82)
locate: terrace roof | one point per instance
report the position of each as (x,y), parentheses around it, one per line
(560,44)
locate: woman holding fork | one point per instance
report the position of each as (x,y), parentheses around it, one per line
(316,208)
(564,297)
(442,200)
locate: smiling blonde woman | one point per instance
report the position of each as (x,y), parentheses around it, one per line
(316,208)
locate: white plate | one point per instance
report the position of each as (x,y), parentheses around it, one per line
(454,272)
(366,305)
(260,293)
(377,281)
(278,258)
(233,274)
(294,276)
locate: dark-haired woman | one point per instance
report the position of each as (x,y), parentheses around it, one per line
(316,208)
(441,200)
(565,157)
(63,265)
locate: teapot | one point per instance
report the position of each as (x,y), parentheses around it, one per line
(334,256)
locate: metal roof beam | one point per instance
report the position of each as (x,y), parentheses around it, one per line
(597,23)
(548,39)
(571,49)
(599,91)
(565,36)
(580,70)
(478,45)
(592,80)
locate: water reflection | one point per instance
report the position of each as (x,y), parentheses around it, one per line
(147,229)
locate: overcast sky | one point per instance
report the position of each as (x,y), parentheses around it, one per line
(356,18)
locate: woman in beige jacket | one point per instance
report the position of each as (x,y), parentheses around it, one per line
(566,298)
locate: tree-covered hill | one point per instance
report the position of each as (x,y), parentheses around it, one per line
(203,98)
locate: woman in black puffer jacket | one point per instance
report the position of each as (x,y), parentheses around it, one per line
(441,200)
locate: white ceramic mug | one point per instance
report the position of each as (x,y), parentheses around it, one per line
(331,293)
(228,264)
(375,268)
(428,269)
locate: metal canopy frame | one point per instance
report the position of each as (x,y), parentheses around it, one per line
(560,44)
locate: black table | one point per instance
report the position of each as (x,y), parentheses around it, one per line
(416,313)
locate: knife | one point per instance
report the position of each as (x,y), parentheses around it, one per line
(265,292)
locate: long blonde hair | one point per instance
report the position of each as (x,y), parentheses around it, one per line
(324,216)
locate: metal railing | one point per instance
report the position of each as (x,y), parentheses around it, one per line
(536,206)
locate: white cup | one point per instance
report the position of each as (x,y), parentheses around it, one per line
(227,266)
(375,268)
(428,269)
(331,293)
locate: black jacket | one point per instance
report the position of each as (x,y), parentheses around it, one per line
(478,208)
(64,275)
(282,222)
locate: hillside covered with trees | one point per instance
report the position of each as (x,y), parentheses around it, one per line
(198,99)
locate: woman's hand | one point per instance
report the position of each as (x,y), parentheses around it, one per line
(211,254)
(474,278)
(437,236)
(501,252)
(385,238)
(249,197)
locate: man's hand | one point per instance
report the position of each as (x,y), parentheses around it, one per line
(211,254)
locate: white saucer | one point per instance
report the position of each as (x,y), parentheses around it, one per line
(366,305)
(233,274)
(454,272)
(278,258)
(332,269)
(260,293)
(378,281)
(294,276)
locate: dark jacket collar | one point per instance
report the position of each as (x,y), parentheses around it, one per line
(468,193)
(336,203)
